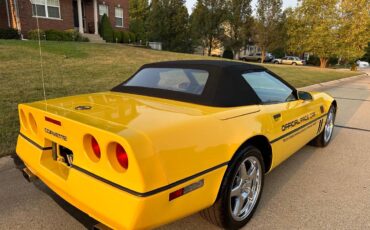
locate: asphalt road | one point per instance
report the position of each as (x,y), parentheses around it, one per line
(317,188)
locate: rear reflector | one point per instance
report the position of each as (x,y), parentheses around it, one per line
(182,191)
(51,120)
(176,194)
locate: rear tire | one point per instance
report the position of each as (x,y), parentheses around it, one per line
(240,191)
(324,137)
(294,63)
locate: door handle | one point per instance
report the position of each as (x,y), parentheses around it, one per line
(277,116)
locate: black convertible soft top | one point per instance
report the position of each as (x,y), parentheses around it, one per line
(225,86)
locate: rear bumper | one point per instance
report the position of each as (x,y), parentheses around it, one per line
(111,205)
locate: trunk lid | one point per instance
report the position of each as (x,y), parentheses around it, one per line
(114,111)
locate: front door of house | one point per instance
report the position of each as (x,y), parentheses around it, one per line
(75,14)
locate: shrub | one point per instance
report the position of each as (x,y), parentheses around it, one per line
(56,35)
(228,54)
(33,35)
(313,60)
(75,36)
(9,34)
(106,31)
(132,37)
(333,61)
(117,36)
(125,37)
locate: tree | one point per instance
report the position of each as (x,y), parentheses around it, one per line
(267,25)
(366,57)
(238,24)
(354,29)
(138,12)
(295,32)
(138,8)
(314,27)
(106,30)
(207,23)
(168,22)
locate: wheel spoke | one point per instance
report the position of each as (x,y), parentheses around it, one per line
(238,205)
(237,189)
(243,171)
(252,172)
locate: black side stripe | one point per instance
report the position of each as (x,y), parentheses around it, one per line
(135,193)
(152,192)
(34,143)
(297,129)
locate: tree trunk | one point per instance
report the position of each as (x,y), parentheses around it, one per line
(263,54)
(210,40)
(323,62)
(236,54)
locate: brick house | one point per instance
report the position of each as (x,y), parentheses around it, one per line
(82,15)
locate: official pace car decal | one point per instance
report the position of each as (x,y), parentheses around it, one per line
(298,121)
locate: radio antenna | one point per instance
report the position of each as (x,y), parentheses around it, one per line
(40,52)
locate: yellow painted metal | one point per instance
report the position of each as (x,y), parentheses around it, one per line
(166,141)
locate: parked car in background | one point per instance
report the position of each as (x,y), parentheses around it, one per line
(289,60)
(257,57)
(362,64)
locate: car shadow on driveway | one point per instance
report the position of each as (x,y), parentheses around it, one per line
(87,221)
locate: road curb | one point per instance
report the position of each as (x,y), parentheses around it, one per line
(334,82)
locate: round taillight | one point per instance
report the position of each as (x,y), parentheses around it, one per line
(95,147)
(121,156)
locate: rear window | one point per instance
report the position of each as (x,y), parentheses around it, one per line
(190,81)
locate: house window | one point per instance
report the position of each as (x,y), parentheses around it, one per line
(46,8)
(103,9)
(119,17)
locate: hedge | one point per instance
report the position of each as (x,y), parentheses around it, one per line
(117,36)
(9,34)
(57,35)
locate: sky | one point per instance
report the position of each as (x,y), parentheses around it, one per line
(286,3)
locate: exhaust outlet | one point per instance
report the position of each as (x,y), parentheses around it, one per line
(28,175)
(100,226)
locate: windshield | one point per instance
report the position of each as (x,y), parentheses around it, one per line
(190,81)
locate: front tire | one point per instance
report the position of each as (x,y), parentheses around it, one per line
(324,137)
(240,191)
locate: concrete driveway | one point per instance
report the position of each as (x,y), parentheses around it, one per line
(317,188)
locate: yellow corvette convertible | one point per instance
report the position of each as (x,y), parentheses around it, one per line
(176,138)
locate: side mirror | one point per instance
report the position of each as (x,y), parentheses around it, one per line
(306,96)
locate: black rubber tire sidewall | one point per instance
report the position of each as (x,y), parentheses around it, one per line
(228,220)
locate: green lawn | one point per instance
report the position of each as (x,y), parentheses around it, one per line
(75,68)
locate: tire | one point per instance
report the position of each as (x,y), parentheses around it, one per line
(294,63)
(224,212)
(324,138)
(276,62)
(258,60)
